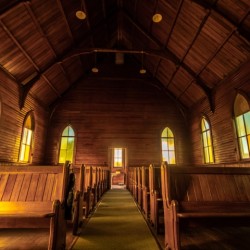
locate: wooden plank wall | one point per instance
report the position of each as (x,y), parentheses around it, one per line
(114,112)
(222,123)
(11,122)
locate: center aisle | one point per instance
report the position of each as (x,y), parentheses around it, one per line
(116,224)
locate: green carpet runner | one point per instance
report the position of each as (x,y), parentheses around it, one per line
(116,224)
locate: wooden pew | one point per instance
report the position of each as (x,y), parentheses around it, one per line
(155,198)
(83,175)
(139,187)
(145,190)
(78,206)
(34,197)
(196,193)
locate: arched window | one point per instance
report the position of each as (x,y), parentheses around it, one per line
(207,141)
(27,139)
(67,145)
(242,120)
(167,144)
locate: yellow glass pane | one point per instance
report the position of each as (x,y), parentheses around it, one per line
(209,143)
(64,142)
(206,155)
(25,133)
(171,157)
(211,155)
(171,144)
(29,136)
(204,139)
(240,126)
(62,156)
(27,153)
(22,152)
(69,155)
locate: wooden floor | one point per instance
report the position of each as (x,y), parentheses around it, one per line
(202,237)
(212,237)
(29,239)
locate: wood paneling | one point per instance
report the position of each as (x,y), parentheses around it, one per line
(222,123)
(11,122)
(112,112)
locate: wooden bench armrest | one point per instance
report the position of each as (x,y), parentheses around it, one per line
(28,209)
(213,214)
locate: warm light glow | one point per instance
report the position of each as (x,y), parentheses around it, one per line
(80,15)
(95,70)
(67,145)
(143,71)
(118,157)
(167,146)
(157,18)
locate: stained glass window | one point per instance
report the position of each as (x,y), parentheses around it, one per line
(242,120)
(67,145)
(168,146)
(207,141)
(26,141)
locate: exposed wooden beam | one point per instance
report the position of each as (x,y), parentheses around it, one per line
(65,21)
(213,7)
(167,54)
(25,89)
(174,22)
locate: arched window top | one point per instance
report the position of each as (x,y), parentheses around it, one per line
(204,124)
(27,138)
(29,122)
(68,131)
(167,132)
(168,147)
(66,151)
(207,141)
(241,105)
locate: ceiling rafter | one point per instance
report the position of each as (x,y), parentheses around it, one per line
(154,10)
(59,4)
(190,46)
(211,6)
(207,92)
(39,28)
(172,57)
(174,22)
(31,82)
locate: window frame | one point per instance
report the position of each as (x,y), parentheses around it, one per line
(24,145)
(207,146)
(60,144)
(168,150)
(237,132)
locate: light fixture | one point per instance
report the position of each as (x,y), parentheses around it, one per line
(142,70)
(157,18)
(80,14)
(95,69)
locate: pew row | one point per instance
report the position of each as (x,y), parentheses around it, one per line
(34,197)
(155,198)
(191,193)
(90,184)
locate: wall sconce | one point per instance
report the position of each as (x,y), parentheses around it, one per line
(80,14)
(142,70)
(95,69)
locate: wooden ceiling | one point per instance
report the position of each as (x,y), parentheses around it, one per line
(46,49)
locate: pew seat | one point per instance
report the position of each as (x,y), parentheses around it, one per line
(34,197)
(211,193)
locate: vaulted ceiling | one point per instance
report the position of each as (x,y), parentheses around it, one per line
(46,49)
